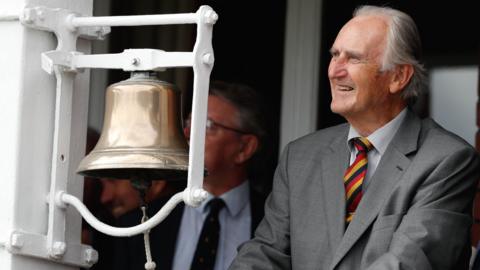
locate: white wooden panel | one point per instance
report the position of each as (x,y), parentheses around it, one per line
(453,99)
(301,69)
(27,114)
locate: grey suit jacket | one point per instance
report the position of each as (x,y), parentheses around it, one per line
(415,214)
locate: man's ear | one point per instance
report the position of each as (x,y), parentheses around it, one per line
(249,145)
(401,76)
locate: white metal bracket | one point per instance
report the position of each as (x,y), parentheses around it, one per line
(128,60)
(64,62)
(23,243)
(57,20)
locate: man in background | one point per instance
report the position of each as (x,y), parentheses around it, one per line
(234,133)
(108,199)
(120,197)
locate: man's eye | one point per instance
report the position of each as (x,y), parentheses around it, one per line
(354,60)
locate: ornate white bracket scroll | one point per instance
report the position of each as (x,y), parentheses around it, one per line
(64,62)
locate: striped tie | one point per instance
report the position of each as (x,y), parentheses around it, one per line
(207,245)
(354,176)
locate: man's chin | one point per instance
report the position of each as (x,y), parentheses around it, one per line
(341,110)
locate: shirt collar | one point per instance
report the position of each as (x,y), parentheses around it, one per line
(381,137)
(235,199)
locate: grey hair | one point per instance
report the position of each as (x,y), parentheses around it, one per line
(247,102)
(403,46)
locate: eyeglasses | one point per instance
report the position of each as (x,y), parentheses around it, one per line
(212,125)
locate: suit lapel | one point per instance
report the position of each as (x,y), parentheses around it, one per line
(333,168)
(388,173)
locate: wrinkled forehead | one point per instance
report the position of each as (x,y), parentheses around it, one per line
(365,34)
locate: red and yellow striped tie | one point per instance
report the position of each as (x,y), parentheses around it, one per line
(354,176)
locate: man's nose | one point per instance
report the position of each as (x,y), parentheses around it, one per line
(337,68)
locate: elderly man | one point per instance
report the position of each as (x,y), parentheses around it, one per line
(387,190)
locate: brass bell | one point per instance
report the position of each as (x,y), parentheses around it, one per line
(142,134)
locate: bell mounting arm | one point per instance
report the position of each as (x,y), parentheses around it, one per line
(64,62)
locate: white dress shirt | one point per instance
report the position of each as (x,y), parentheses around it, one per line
(380,139)
(235,222)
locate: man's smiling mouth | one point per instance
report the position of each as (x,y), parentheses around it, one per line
(344,88)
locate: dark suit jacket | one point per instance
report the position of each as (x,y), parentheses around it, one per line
(130,251)
(415,214)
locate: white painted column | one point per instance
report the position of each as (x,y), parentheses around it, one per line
(27,115)
(301,69)
(99,77)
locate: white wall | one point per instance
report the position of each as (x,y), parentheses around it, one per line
(453,99)
(27,113)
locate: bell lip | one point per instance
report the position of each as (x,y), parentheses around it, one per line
(147,174)
(181,168)
(99,160)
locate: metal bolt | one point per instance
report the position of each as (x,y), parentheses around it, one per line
(135,61)
(211,17)
(101,31)
(16,240)
(28,15)
(199,195)
(90,256)
(207,58)
(58,249)
(105,30)
(40,14)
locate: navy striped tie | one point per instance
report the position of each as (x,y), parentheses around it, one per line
(205,254)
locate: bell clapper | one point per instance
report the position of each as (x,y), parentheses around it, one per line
(142,187)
